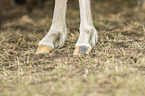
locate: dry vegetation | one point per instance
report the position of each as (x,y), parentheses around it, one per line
(115,67)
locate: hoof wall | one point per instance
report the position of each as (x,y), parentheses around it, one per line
(43,49)
(82,49)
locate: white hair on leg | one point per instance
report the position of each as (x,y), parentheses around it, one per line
(88,33)
(58,30)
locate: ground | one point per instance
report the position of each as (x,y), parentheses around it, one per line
(115,67)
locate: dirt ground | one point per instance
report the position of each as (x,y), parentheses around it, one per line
(115,67)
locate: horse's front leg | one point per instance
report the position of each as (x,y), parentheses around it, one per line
(88,33)
(58,30)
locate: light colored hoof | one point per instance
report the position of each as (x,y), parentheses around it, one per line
(81,49)
(43,49)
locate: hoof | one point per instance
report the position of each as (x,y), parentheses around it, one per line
(43,49)
(81,49)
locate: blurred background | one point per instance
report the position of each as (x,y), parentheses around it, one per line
(14,9)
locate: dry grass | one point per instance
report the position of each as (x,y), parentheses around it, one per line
(115,67)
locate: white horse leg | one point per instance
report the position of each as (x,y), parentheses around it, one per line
(58,30)
(88,33)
